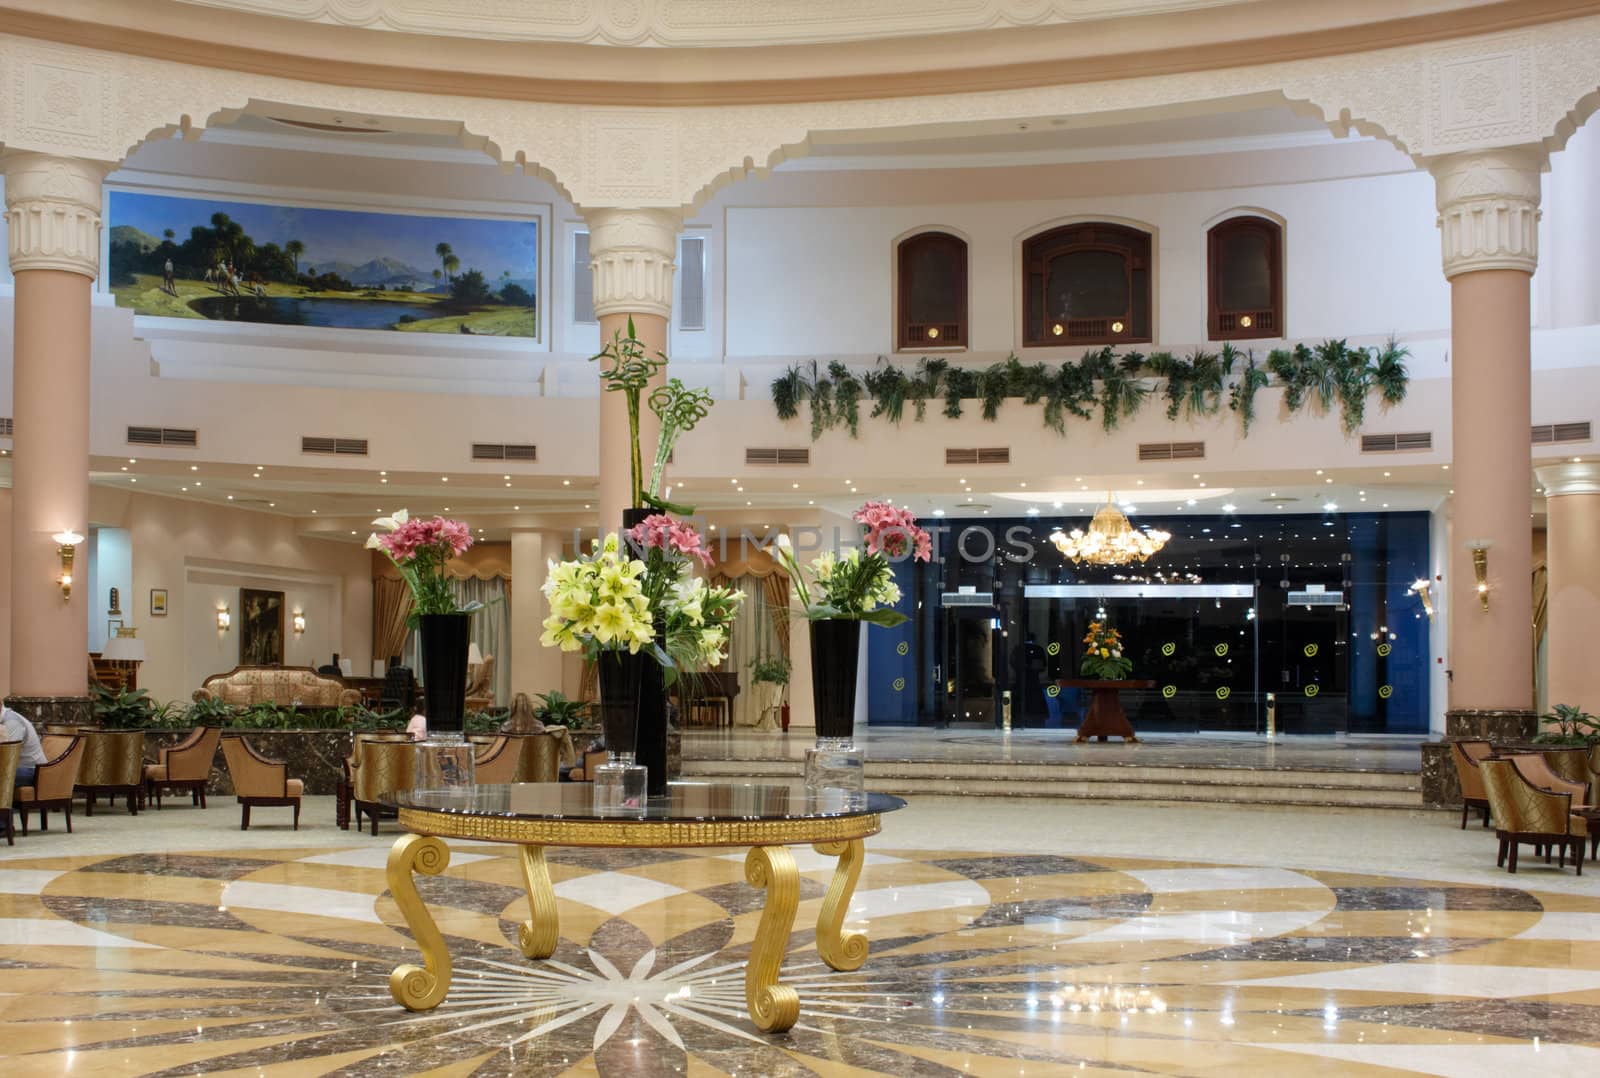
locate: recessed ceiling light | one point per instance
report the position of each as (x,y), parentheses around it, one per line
(505,477)
(272,505)
(198,483)
(1229,508)
(938,512)
(133,480)
(194,467)
(1319,471)
(383,480)
(383,473)
(517,508)
(566,482)
(124,467)
(810,502)
(230,497)
(313,512)
(795,486)
(1330,507)
(586,505)
(132,461)
(184,489)
(444,479)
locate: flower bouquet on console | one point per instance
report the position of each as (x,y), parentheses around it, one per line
(847,589)
(1102,655)
(694,618)
(420,549)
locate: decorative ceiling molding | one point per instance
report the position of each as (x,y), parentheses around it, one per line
(703,23)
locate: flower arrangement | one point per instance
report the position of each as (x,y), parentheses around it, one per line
(420,549)
(696,619)
(598,603)
(1102,656)
(854,584)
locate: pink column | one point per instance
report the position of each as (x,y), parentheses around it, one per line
(1488,217)
(632,253)
(1572,493)
(53,219)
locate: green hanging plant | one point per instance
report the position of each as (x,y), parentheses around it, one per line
(888,387)
(1389,373)
(1242,395)
(846,398)
(928,383)
(993,386)
(788,389)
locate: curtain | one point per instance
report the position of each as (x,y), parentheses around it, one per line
(753,635)
(391,604)
(491,629)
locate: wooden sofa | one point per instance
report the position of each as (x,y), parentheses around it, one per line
(286,686)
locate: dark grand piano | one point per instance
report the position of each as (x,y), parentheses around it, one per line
(708,691)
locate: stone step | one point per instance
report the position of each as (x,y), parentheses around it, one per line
(1364,789)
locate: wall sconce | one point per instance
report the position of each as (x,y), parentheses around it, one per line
(1480,567)
(299,622)
(224,618)
(1421,588)
(66,544)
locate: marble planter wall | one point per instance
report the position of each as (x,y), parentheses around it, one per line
(316,757)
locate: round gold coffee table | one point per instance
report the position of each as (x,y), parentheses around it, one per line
(534,815)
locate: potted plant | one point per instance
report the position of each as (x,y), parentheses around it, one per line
(1572,726)
(850,588)
(420,550)
(555,709)
(1102,655)
(770,673)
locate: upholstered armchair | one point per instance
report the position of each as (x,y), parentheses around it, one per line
(1535,767)
(1523,813)
(1572,764)
(352,764)
(113,764)
(497,761)
(10,757)
(259,782)
(583,771)
(184,766)
(480,685)
(1467,755)
(533,757)
(52,784)
(385,766)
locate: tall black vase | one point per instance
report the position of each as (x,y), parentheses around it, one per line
(445,642)
(621,675)
(835,651)
(652,737)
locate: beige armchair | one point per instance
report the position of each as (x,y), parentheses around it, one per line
(386,766)
(259,782)
(345,792)
(534,757)
(113,764)
(52,784)
(1467,755)
(10,757)
(480,685)
(497,761)
(184,766)
(1524,813)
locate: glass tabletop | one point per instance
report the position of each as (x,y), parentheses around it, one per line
(683,801)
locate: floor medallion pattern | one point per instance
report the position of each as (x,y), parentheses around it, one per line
(277,962)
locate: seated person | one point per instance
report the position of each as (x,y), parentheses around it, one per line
(523,719)
(418,727)
(17,728)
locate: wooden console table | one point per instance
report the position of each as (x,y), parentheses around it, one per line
(1106,717)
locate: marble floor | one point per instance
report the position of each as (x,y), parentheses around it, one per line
(1008,938)
(973,745)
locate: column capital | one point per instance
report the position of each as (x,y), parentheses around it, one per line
(1489,209)
(633,253)
(53,212)
(1569,478)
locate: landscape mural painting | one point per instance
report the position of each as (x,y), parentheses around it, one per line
(290,265)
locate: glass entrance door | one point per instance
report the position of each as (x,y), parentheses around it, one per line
(969,668)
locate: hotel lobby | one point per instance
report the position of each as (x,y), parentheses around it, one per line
(1071,601)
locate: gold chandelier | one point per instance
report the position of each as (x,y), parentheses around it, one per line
(1110,540)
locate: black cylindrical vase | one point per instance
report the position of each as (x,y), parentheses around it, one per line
(620,676)
(835,650)
(445,641)
(651,744)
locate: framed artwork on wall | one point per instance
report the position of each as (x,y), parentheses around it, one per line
(158,602)
(261,628)
(232,260)
(112,625)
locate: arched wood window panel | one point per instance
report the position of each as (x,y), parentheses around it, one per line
(1086,283)
(1244,258)
(932,306)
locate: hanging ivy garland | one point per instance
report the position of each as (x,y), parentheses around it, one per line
(1321,376)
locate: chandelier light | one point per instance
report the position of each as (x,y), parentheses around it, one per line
(1110,540)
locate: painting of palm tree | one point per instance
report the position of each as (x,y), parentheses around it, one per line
(243,261)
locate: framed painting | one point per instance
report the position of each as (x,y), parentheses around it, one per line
(158,602)
(260,627)
(227,260)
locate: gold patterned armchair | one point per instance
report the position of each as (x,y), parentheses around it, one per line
(10,757)
(1524,813)
(286,686)
(497,761)
(1467,755)
(1572,764)
(184,766)
(385,766)
(480,685)
(52,784)
(259,782)
(345,792)
(113,764)
(534,757)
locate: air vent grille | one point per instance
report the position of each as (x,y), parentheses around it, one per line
(497,451)
(776,455)
(1550,433)
(343,447)
(175,437)
(990,455)
(5,426)
(1396,443)
(1172,451)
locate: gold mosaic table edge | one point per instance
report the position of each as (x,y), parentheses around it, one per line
(772,1006)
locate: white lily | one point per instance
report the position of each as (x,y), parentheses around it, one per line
(392,523)
(373,543)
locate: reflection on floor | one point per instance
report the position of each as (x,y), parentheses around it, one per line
(973,745)
(272,955)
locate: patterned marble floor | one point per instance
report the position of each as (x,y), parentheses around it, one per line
(275,961)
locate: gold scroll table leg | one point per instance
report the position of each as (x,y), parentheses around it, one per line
(773,1007)
(841,950)
(538,935)
(414,987)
